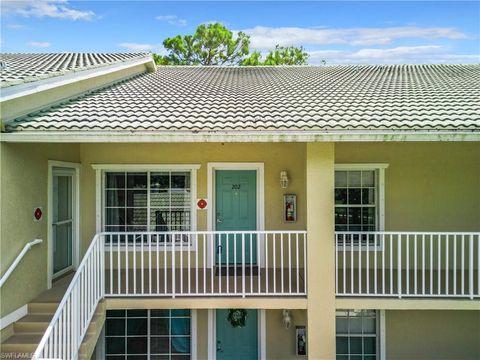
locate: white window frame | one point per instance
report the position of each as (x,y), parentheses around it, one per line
(101,344)
(379,332)
(380,192)
(101,169)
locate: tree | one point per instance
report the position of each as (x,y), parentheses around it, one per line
(280,56)
(212,44)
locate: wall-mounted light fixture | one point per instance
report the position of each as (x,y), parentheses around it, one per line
(287,319)
(284,179)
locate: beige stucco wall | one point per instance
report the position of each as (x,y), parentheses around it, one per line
(19,106)
(24,169)
(439,335)
(428,186)
(276,157)
(202,334)
(281,341)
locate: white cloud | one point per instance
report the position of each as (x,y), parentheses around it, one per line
(424,54)
(136,46)
(39,44)
(15,26)
(262,37)
(172,20)
(45,8)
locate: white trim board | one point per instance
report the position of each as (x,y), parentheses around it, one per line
(260,169)
(380,167)
(235,136)
(383,330)
(193,334)
(75,167)
(13,316)
(145,167)
(99,179)
(29,88)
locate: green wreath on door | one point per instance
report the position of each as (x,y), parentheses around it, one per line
(237,317)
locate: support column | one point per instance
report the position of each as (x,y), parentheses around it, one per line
(321,250)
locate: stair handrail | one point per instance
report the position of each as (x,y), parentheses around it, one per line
(19,257)
(77,307)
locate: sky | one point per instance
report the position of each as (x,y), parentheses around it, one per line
(353,32)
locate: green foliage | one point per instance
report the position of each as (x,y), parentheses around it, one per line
(212,44)
(254,59)
(286,56)
(280,56)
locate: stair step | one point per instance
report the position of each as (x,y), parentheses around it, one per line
(88,343)
(21,343)
(42,308)
(35,323)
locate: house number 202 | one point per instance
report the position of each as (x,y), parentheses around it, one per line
(236,187)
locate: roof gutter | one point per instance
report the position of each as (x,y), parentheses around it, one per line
(25,89)
(234,136)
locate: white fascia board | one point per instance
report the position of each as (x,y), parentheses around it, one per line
(145,167)
(234,136)
(29,88)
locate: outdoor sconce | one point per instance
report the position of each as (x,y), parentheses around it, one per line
(284,179)
(287,319)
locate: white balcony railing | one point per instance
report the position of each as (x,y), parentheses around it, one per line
(408,264)
(70,322)
(228,263)
(202,263)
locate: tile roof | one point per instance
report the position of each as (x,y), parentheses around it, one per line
(19,68)
(329,98)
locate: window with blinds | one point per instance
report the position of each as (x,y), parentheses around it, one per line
(357,335)
(158,201)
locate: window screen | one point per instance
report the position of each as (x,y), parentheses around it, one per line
(148,334)
(356,335)
(147,201)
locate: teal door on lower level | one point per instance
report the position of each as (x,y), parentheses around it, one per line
(237,343)
(236,210)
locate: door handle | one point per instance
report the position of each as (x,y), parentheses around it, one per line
(219,249)
(219,346)
(219,220)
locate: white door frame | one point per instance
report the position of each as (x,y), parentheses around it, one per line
(75,169)
(260,200)
(212,334)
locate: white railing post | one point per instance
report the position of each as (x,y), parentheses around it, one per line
(470,266)
(399,266)
(243,265)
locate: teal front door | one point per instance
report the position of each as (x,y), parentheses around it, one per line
(236,210)
(237,343)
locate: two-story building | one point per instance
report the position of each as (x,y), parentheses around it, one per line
(219,213)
